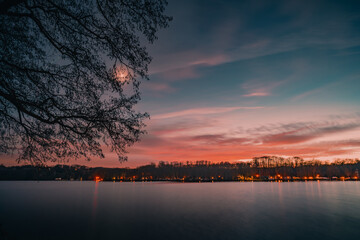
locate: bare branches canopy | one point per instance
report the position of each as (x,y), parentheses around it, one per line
(70,72)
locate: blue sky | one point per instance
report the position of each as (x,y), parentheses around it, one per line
(223,48)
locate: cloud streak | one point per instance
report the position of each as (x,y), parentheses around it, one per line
(202,111)
(257,94)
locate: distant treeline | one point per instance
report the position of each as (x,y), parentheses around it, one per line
(266,168)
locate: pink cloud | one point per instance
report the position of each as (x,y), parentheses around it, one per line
(257,94)
(259,88)
(179,126)
(305,94)
(182,65)
(202,111)
(211,60)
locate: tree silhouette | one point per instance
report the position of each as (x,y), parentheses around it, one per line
(70,75)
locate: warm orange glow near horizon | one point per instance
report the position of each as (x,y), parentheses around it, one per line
(98,179)
(215,135)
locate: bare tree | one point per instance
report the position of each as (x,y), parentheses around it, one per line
(70,74)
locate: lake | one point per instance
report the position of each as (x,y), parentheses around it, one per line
(164,210)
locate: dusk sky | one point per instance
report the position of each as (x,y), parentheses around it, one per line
(231,80)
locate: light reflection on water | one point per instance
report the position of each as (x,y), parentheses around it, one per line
(94,207)
(228,210)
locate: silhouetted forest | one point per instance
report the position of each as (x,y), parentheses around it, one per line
(266,168)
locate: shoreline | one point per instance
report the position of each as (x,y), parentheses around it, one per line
(176,181)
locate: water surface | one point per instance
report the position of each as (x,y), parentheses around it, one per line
(162,210)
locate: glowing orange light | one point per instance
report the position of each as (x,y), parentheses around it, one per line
(98,179)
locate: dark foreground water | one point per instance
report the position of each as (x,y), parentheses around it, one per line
(106,210)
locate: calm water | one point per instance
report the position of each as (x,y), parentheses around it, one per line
(106,210)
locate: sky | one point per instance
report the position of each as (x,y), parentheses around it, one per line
(232,80)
